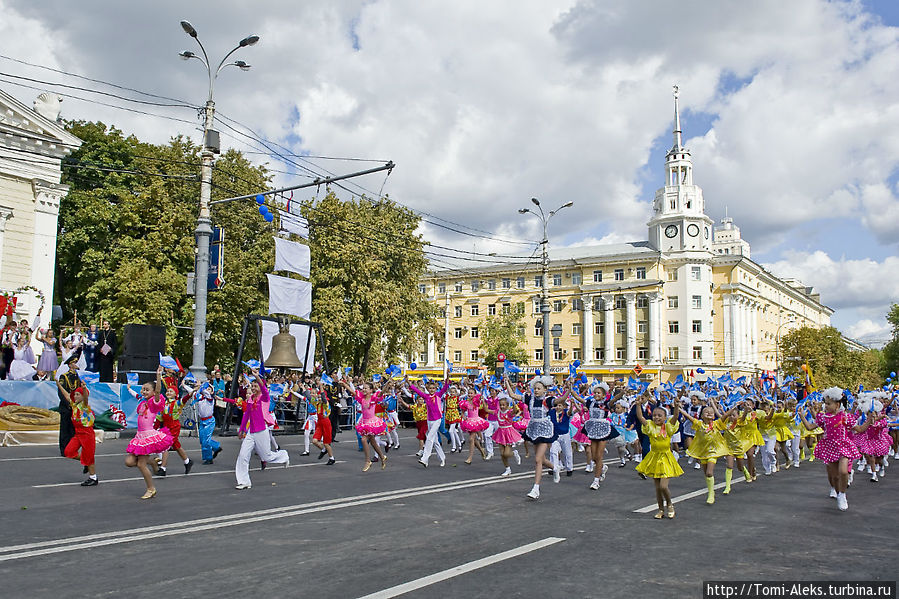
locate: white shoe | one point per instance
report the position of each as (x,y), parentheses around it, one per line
(243,486)
(882,472)
(690,461)
(676,455)
(507,472)
(602,476)
(589,467)
(874,478)
(833,493)
(517,459)
(420,453)
(557,474)
(795,464)
(696,466)
(638,458)
(861,466)
(851,477)
(842,502)
(869,470)
(423,463)
(443,462)
(594,485)
(489,455)
(535,493)
(886,461)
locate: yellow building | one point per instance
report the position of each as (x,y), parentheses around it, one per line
(689,297)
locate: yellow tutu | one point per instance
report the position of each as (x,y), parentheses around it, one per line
(748,429)
(659,462)
(813,433)
(708,443)
(731,438)
(782,422)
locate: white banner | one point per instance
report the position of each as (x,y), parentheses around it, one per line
(292,256)
(291,223)
(270,329)
(289,296)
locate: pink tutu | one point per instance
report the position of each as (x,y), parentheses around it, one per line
(577,423)
(371,426)
(875,441)
(831,450)
(150,441)
(474,424)
(506,435)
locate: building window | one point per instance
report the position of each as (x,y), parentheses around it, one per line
(441,288)
(619,274)
(697,326)
(576,328)
(475,311)
(491,284)
(475,333)
(697,302)
(599,328)
(620,353)
(576,354)
(673,353)
(697,352)
(577,304)
(597,276)
(520,282)
(620,303)
(558,354)
(696,273)
(620,327)
(538,355)
(475,285)
(642,353)
(457,356)
(599,353)
(507,283)
(538,281)
(672,274)
(440,357)
(423,357)
(672,301)
(459,287)
(576,278)
(641,273)
(673,326)
(642,301)
(642,326)
(491,310)
(457,310)
(422,289)
(537,306)
(557,305)
(474,355)
(507,308)
(457,332)
(538,328)
(557,280)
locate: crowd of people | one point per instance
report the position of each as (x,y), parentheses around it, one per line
(702,422)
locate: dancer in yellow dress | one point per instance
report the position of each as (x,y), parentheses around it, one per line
(659,464)
(727,424)
(782,419)
(708,445)
(748,431)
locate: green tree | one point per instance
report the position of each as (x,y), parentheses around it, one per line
(504,334)
(831,362)
(891,349)
(366,264)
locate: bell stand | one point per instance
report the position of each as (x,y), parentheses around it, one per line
(238,357)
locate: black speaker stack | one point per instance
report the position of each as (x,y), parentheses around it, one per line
(141,347)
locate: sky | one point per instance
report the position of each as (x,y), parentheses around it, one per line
(790,110)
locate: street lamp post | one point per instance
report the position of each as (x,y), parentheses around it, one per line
(204,220)
(777,348)
(544,304)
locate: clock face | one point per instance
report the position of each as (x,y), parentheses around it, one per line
(670,230)
(693,230)
(706,232)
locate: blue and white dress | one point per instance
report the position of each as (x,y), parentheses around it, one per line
(540,428)
(598,427)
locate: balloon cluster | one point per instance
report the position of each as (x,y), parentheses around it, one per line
(263,209)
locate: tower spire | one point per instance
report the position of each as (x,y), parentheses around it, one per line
(677,131)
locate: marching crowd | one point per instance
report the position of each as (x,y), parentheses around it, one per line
(718,419)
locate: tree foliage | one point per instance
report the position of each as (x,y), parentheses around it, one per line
(366,263)
(831,361)
(891,349)
(504,334)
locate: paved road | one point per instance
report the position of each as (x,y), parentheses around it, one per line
(333,531)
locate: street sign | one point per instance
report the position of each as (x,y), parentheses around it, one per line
(216,279)
(501,357)
(638,370)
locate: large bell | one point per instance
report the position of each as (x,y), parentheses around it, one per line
(284,352)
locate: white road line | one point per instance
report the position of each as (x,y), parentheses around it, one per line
(146,533)
(402,589)
(192,474)
(59,457)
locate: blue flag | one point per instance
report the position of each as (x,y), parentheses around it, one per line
(168,362)
(327,379)
(512,368)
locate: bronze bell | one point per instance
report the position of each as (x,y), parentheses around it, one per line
(284,352)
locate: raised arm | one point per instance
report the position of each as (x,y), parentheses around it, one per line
(512,393)
(638,410)
(64,392)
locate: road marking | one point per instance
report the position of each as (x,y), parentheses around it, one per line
(407,587)
(192,474)
(153,532)
(59,457)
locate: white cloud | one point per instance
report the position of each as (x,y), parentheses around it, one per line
(869,331)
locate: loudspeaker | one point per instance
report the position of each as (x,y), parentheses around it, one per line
(139,363)
(143,340)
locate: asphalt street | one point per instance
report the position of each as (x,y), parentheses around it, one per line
(460,531)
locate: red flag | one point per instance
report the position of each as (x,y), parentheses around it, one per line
(180,367)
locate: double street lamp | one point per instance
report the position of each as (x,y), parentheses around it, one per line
(204,221)
(544,303)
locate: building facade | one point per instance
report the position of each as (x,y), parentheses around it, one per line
(689,297)
(32,146)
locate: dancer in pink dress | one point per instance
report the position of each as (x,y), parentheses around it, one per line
(473,425)
(369,426)
(874,443)
(148,441)
(836,449)
(520,424)
(506,436)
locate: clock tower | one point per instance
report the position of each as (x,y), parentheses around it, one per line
(679,222)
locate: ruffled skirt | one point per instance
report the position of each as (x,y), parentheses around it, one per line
(150,441)
(20,370)
(506,435)
(371,426)
(577,421)
(540,430)
(660,464)
(599,429)
(48,361)
(878,445)
(831,450)
(628,436)
(475,424)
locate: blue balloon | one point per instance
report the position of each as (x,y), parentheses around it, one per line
(269,217)
(537,372)
(700,371)
(892,375)
(263,210)
(413,366)
(260,199)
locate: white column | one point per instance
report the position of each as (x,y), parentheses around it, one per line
(432,349)
(5,215)
(727,320)
(587,330)
(655,304)
(608,305)
(754,329)
(747,331)
(631,324)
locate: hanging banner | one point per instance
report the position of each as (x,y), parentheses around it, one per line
(292,256)
(289,296)
(291,223)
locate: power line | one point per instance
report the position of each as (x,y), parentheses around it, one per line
(94,91)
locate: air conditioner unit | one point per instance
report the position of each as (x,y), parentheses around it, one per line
(567,275)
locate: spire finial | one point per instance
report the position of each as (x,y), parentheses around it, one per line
(677,131)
